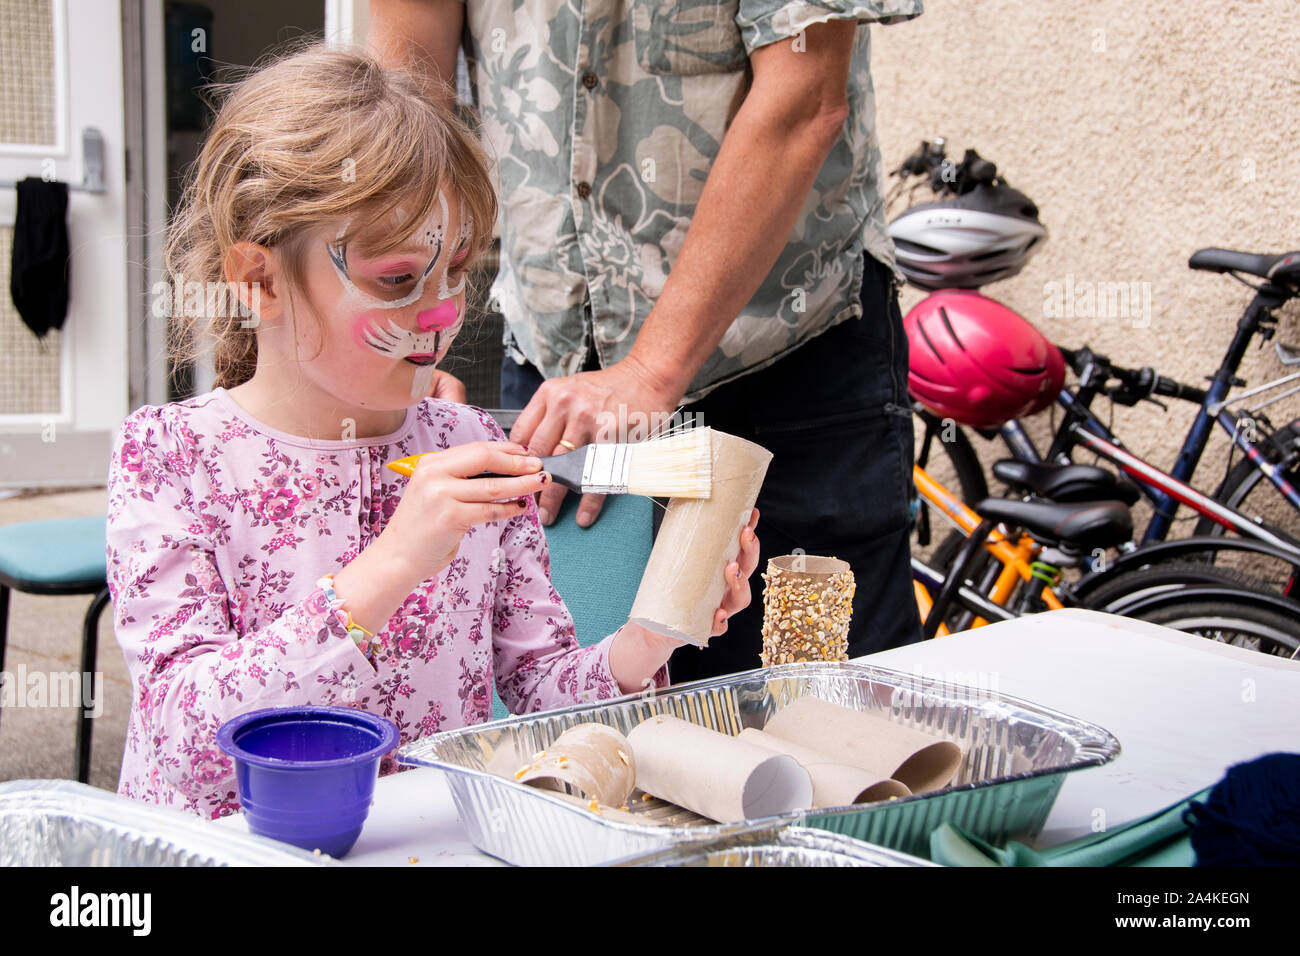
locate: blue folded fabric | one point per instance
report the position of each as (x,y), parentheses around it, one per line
(1252,815)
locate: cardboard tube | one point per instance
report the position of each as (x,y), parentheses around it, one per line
(807,605)
(594,759)
(835,784)
(682,586)
(919,761)
(718,776)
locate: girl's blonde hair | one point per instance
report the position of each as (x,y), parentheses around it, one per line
(318,135)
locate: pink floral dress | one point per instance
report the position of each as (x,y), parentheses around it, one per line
(219,528)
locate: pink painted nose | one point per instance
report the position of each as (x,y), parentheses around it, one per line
(442,316)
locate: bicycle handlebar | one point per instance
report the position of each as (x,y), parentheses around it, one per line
(1186,393)
(1134,384)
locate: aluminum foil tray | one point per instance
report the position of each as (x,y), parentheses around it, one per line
(1015,757)
(793,846)
(64,823)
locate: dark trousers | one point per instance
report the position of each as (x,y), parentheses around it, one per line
(836,417)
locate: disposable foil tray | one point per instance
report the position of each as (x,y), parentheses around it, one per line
(793,846)
(64,823)
(1015,757)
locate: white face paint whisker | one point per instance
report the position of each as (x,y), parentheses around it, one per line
(390,336)
(395,340)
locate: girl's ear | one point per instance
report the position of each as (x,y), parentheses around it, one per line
(255,273)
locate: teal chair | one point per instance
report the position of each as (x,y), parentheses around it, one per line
(62,556)
(597,570)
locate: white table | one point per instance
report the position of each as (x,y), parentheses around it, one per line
(1184,709)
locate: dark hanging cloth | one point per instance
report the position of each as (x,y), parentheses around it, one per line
(39,276)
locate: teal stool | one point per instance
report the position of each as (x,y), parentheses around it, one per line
(597,570)
(63,556)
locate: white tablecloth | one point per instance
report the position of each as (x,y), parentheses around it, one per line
(1184,709)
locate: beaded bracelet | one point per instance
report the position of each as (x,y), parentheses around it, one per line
(364,640)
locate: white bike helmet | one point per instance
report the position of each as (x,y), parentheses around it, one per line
(968,240)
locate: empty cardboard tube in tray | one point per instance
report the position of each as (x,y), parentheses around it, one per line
(716,775)
(917,760)
(835,784)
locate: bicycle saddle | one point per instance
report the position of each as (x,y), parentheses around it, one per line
(1085,524)
(1066,483)
(1283,269)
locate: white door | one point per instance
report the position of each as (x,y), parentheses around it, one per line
(63,397)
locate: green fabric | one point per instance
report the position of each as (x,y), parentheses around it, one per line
(1161,839)
(597,570)
(60,551)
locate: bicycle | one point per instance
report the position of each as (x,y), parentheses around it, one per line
(1045,536)
(1081,428)
(1274,455)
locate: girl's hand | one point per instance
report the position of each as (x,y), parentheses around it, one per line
(638,653)
(443,500)
(737,573)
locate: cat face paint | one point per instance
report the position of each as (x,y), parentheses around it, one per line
(437,326)
(462,235)
(431,234)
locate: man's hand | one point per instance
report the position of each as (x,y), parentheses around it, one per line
(449,388)
(580,409)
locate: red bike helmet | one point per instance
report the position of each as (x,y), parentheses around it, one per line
(977,362)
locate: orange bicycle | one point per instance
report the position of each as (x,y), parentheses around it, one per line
(1014,551)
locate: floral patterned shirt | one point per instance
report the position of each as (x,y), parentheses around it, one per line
(219,528)
(605,118)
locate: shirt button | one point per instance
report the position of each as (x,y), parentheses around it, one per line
(589,80)
(584,190)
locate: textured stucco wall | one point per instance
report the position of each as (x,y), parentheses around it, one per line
(1144,132)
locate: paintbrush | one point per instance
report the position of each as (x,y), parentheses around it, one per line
(678,466)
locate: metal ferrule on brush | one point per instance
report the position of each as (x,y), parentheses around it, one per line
(605,470)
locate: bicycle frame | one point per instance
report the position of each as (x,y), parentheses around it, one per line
(929,581)
(1015,557)
(1166,490)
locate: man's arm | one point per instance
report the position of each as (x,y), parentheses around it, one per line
(759,182)
(422,37)
(757,186)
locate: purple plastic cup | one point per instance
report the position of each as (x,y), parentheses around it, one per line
(306,775)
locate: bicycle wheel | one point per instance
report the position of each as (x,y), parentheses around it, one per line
(1114,595)
(944,451)
(1248,490)
(1230,619)
(1230,622)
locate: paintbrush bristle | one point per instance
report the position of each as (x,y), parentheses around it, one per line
(679,466)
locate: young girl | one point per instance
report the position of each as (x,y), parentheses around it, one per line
(259,552)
